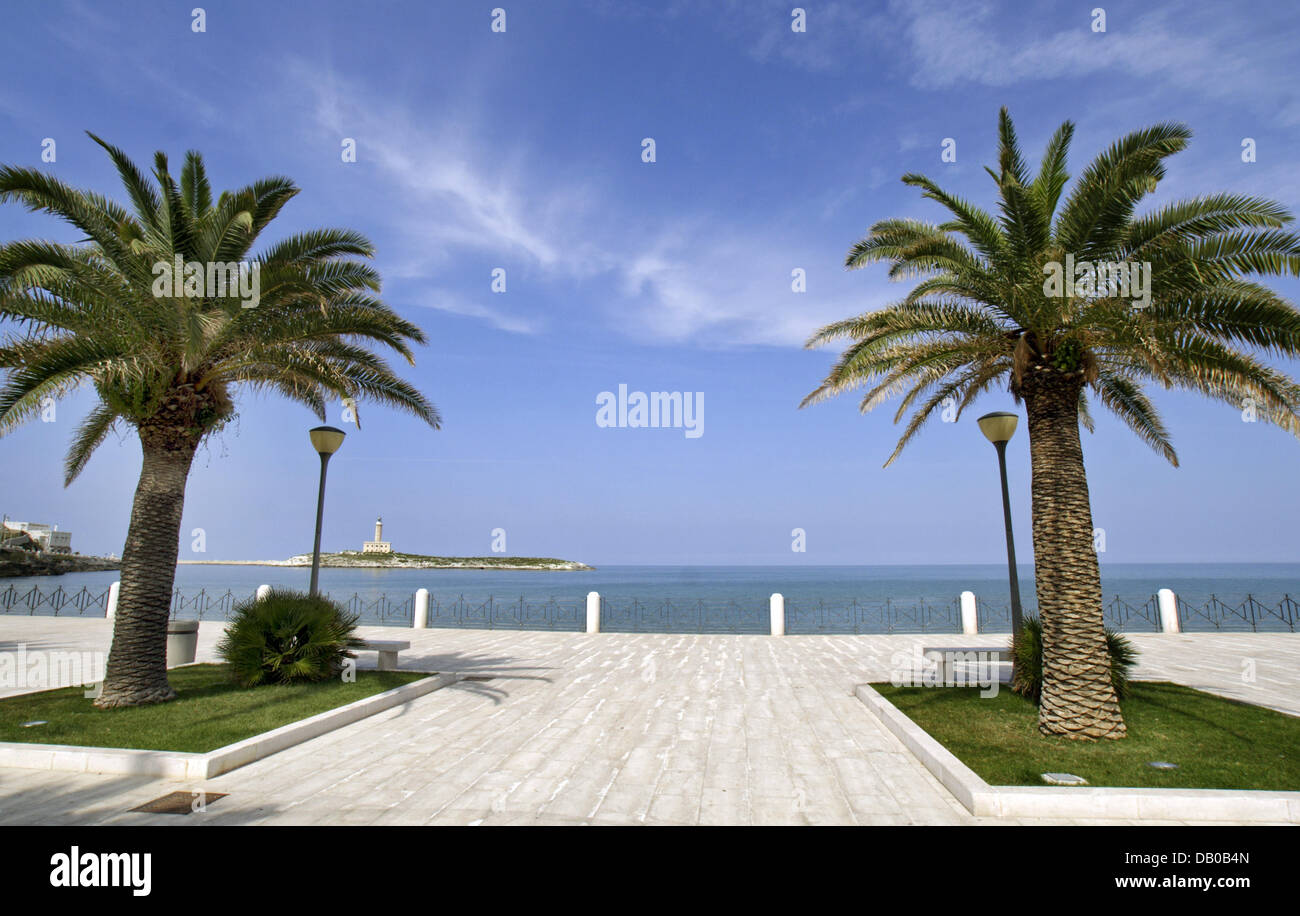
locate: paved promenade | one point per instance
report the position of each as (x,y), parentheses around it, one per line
(559,728)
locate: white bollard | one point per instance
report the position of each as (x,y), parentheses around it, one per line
(110,611)
(263,591)
(970,618)
(1168,611)
(593,612)
(420,617)
(778,614)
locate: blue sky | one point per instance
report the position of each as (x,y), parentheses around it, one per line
(522,150)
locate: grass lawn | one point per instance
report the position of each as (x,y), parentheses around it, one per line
(1217,743)
(209,711)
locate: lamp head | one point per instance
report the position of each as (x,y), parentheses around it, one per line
(999,426)
(327,439)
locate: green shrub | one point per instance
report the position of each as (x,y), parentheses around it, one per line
(1027,660)
(288,637)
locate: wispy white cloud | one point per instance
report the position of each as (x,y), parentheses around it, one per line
(685,278)
(737,290)
(447,301)
(437,169)
(447,193)
(1202,49)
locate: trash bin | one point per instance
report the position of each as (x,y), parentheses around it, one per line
(182,642)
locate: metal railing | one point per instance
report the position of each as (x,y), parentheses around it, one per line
(633,615)
(205,605)
(382,608)
(498,615)
(995,618)
(1118,614)
(1251,615)
(668,616)
(887,616)
(87,602)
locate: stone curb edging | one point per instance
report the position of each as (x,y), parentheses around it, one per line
(1244,806)
(177,765)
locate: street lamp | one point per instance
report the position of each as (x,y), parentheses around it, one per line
(326,440)
(998,428)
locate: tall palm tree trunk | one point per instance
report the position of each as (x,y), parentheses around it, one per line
(1078,699)
(136,673)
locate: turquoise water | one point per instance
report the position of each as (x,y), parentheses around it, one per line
(710,598)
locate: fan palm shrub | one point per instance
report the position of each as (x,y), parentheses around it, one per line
(988,310)
(1027,660)
(287,637)
(167,359)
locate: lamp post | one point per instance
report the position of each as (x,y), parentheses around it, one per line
(326,440)
(998,428)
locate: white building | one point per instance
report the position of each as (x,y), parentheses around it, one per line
(48,537)
(378,545)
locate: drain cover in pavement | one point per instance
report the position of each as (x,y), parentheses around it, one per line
(180,802)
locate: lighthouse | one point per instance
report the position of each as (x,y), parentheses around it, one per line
(378,545)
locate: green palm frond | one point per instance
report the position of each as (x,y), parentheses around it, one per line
(1124,398)
(962,390)
(195,190)
(1103,199)
(1052,175)
(88,437)
(979,304)
(1187,220)
(101,220)
(142,194)
(318,245)
(980,229)
(88,312)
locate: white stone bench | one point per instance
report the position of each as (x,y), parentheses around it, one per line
(387,649)
(947,655)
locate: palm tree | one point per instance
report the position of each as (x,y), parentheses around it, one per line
(986,310)
(167,361)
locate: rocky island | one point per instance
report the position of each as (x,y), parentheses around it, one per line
(379,554)
(357,559)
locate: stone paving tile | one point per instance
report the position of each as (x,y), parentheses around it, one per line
(610,729)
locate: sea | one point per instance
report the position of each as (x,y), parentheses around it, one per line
(863,599)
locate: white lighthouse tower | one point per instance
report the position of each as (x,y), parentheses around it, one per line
(378,545)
